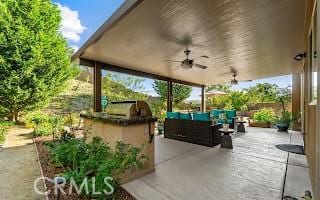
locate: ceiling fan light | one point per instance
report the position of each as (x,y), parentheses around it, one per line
(234,82)
(187,64)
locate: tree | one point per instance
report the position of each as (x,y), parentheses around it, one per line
(133,83)
(233,100)
(117,92)
(263,92)
(179,92)
(283,96)
(34,56)
(219,87)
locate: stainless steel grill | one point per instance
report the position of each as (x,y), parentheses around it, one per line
(128,109)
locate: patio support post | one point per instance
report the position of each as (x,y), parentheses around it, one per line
(97,87)
(203,99)
(169,96)
(296,99)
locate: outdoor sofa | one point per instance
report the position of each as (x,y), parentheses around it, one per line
(194,128)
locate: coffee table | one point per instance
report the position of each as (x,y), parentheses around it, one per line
(241,127)
(226,141)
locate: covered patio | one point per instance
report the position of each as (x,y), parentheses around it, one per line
(242,39)
(254,169)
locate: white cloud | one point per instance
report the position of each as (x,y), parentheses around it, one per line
(71,27)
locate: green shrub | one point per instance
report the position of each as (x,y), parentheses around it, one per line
(265,115)
(4,126)
(44,124)
(285,118)
(32,120)
(95,161)
(43,129)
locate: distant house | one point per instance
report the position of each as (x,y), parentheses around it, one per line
(214,93)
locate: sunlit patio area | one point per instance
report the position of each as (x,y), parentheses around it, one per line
(253,169)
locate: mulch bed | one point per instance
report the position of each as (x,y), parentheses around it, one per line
(52,171)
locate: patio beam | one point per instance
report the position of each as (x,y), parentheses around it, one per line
(296,99)
(203,99)
(115,68)
(169,96)
(97,76)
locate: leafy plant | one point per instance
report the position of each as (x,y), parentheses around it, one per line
(4,126)
(43,129)
(57,124)
(94,160)
(44,124)
(285,118)
(265,115)
(33,119)
(228,106)
(158,109)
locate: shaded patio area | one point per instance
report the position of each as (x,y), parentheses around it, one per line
(253,169)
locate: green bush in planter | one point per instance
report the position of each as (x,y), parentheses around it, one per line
(94,160)
(265,115)
(44,124)
(43,129)
(285,118)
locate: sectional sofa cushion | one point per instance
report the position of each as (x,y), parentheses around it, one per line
(215,113)
(199,116)
(185,116)
(173,115)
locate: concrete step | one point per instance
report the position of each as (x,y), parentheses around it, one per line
(142,191)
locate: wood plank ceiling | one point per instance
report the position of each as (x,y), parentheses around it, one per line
(256,38)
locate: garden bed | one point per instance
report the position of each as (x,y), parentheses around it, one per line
(51,171)
(253,123)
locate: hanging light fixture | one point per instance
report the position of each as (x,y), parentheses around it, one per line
(300,56)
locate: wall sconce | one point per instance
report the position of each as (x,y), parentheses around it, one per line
(300,56)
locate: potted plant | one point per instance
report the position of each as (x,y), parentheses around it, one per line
(284,120)
(283,96)
(160,125)
(225,124)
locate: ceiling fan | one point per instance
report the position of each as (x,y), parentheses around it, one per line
(189,63)
(234,80)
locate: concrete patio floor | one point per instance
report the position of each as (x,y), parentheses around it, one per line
(254,169)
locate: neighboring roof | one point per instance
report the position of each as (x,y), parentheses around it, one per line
(257,38)
(215,92)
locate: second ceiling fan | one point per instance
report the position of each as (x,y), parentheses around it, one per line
(189,63)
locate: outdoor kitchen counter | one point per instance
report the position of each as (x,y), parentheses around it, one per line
(136,131)
(118,121)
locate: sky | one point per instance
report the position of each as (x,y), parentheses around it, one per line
(80,19)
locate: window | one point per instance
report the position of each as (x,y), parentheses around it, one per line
(313,63)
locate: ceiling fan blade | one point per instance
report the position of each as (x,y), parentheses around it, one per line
(173,61)
(185,41)
(203,56)
(200,66)
(233,71)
